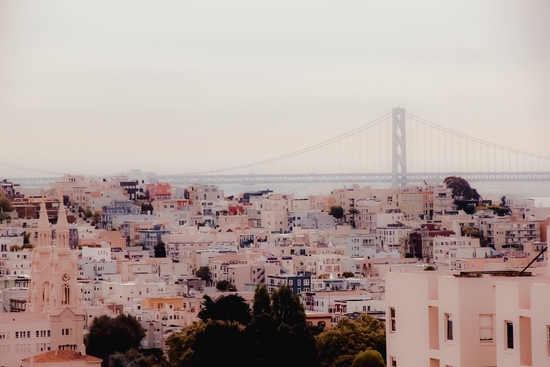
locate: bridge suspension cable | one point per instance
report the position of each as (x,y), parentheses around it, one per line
(322,144)
(475,140)
(27,169)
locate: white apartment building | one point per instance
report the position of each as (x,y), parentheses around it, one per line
(389,237)
(445,250)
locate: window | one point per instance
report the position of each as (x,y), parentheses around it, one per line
(548,340)
(509,330)
(486,328)
(65,294)
(392,319)
(393,362)
(448,326)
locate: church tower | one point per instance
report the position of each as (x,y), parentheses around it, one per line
(39,291)
(54,288)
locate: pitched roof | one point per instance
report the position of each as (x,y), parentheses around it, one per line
(62,356)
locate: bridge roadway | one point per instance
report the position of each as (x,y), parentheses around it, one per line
(252,179)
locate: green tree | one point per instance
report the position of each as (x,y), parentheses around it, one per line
(204,274)
(475,233)
(109,335)
(347,274)
(96,217)
(147,208)
(349,338)
(353,212)
(133,358)
(369,358)
(5,204)
(230,307)
(337,211)
(223,285)
(29,246)
(287,307)
(262,302)
(88,213)
(461,189)
(280,326)
(26,238)
(211,343)
(15,248)
(160,249)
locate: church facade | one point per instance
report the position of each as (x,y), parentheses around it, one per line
(54,318)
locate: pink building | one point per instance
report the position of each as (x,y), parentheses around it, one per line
(471,319)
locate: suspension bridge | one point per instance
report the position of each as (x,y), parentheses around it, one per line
(397,148)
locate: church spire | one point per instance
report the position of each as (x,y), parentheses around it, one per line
(44,230)
(62,226)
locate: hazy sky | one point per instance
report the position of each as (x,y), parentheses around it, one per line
(100,87)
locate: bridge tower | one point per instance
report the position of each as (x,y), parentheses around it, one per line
(399,147)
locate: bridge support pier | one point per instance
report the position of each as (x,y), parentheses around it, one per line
(399,148)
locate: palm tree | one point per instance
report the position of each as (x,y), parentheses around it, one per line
(352,212)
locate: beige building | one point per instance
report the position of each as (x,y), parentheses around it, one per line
(54,318)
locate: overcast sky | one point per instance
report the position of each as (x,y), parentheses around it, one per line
(100,87)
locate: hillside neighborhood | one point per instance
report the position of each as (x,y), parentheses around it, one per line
(459,280)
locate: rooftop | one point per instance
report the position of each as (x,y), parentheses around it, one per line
(62,356)
(496,273)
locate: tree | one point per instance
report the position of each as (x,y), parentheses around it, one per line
(369,358)
(147,208)
(353,212)
(26,238)
(211,343)
(15,248)
(347,274)
(88,213)
(204,273)
(475,233)
(230,307)
(160,249)
(349,338)
(223,285)
(287,307)
(108,335)
(262,302)
(280,326)
(337,211)
(461,189)
(133,358)
(5,204)
(96,217)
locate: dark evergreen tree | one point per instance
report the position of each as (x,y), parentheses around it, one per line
(109,335)
(262,302)
(230,307)
(160,249)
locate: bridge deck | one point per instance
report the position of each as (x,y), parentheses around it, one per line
(319,178)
